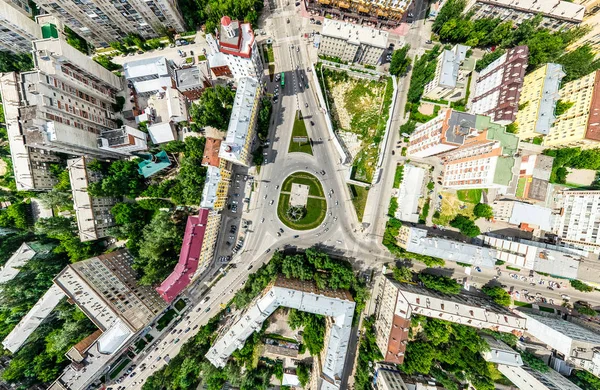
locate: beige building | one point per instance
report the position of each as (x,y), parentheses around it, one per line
(353,43)
(537,102)
(579,126)
(556,14)
(591,19)
(382,13)
(103,22)
(451,75)
(17,29)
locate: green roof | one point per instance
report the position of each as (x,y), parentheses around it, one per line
(154,164)
(49,31)
(504,167)
(509,143)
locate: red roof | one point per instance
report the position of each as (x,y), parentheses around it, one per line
(225,20)
(187,265)
(211,152)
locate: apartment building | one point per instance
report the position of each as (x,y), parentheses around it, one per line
(399,301)
(578,126)
(451,75)
(574,343)
(579,220)
(218,176)
(26,252)
(196,252)
(499,85)
(591,21)
(150,75)
(234,51)
(241,130)
(353,43)
(93,213)
(125,140)
(103,22)
(62,106)
(17,29)
(556,14)
(382,13)
(537,101)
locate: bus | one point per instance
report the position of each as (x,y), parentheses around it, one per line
(282,79)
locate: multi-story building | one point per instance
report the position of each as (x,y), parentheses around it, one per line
(451,75)
(150,75)
(17,29)
(242,123)
(93,213)
(534,177)
(499,86)
(191,82)
(556,14)
(234,51)
(383,13)
(399,301)
(26,252)
(125,140)
(196,252)
(477,152)
(574,343)
(591,21)
(537,101)
(106,289)
(353,43)
(103,22)
(578,223)
(62,106)
(578,126)
(218,176)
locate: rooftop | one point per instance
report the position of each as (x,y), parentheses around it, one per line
(189,256)
(211,152)
(409,193)
(156,66)
(450,62)
(19,258)
(188,77)
(355,34)
(549,96)
(532,215)
(236,38)
(154,164)
(211,185)
(500,353)
(161,133)
(555,8)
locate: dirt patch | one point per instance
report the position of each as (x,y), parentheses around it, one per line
(426,108)
(582,177)
(2,167)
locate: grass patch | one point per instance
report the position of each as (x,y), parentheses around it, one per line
(316,209)
(469,196)
(189,60)
(359,199)
(303,178)
(424,212)
(522,304)
(201,57)
(270,56)
(165,319)
(513,268)
(398,176)
(521,187)
(115,372)
(180,304)
(450,208)
(299,130)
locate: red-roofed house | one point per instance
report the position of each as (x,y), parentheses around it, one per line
(197,248)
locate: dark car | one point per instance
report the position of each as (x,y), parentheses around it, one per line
(312,123)
(250,267)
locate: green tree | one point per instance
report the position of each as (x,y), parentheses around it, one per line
(578,63)
(437,331)
(488,58)
(106,61)
(400,61)
(419,358)
(562,107)
(440,283)
(483,210)
(465,225)
(264,117)
(585,380)
(11,62)
(122,179)
(403,274)
(55,199)
(16,215)
(303,373)
(452,9)
(77,41)
(213,108)
(580,286)
(534,362)
(588,311)
(498,295)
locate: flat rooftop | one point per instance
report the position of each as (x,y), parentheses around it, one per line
(355,34)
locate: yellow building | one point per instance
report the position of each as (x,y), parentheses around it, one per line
(383,12)
(211,232)
(579,125)
(537,101)
(218,176)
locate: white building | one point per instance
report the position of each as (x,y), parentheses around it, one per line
(242,123)
(300,295)
(451,75)
(93,213)
(211,187)
(409,193)
(525,215)
(234,52)
(556,14)
(579,220)
(150,75)
(26,252)
(161,133)
(17,29)
(352,43)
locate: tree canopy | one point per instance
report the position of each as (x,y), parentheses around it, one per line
(571,158)
(465,225)
(400,61)
(11,62)
(209,12)
(122,179)
(213,108)
(440,283)
(498,295)
(483,210)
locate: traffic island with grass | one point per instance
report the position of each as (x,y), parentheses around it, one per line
(302,204)
(359,199)
(300,142)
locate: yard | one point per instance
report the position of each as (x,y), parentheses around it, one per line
(359,199)
(165,319)
(469,196)
(359,108)
(452,206)
(299,130)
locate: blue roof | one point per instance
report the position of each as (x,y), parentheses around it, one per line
(154,164)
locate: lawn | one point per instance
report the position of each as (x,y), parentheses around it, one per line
(316,209)
(521,187)
(115,372)
(359,199)
(165,319)
(270,55)
(180,304)
(469,196)
(304,178)
(451,207)
(299,130)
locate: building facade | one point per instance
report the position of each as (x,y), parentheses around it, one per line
(384,13)
(451,75)
(499,86)
(578,223)
(103,22)
(234,51)
(242,124)
(17,29)
(93,213)
(353,43)
(537,102)
(578,126)
(591,20)
(556,14)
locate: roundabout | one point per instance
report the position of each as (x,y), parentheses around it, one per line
(302,204)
